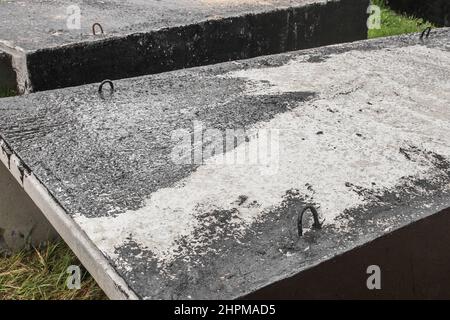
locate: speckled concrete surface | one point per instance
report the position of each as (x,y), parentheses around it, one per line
(359,130)
(150,36)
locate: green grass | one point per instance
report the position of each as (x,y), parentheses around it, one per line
(6,92)
(41,274)
(393,23)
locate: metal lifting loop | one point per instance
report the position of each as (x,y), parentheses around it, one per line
(317,224)
(425,33)
(100,87)
(97,25)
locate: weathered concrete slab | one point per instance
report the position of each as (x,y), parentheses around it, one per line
(150,36)
(436,11)
(360,131)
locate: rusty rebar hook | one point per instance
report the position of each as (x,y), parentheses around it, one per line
(317,224)
(96,25)
(425,33)
(100,87)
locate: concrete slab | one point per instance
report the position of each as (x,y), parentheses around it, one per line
(150,36)
(436,11)
(157,204)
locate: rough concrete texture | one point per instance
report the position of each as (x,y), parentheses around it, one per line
(436,11)
(22,224)
(360,131)
(150,36)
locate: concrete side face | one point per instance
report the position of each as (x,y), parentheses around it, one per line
(360,131)
(414,263)
(248,34)
(40,24)
(7,75)
(436,11)
(22,224)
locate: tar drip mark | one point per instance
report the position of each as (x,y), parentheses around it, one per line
(242,199)
(23,169)
(317,58)
(7,151)
(405,152)
(121,290)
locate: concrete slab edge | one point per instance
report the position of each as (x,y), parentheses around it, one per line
(92,259)
(143,53)
(328,261)
(360,257)
(19,66)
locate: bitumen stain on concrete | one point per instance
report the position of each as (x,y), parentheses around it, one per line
(146,37)
(208,231)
